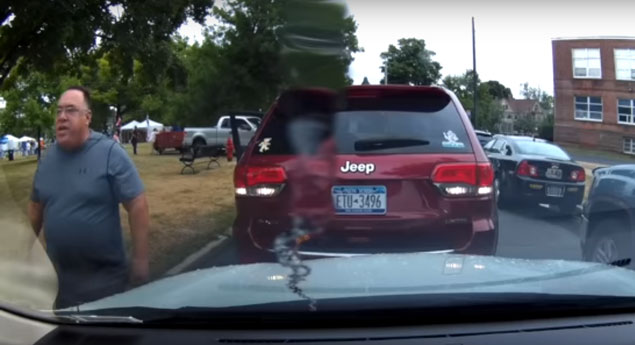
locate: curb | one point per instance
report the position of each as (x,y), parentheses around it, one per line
(215,244)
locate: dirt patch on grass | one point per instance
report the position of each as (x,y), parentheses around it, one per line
(186,211)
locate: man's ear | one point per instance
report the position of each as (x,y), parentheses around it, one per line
(89,117)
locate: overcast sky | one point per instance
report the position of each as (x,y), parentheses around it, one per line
(513,38)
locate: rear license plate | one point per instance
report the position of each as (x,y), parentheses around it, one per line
(554,173)
(555,191)
(359,199)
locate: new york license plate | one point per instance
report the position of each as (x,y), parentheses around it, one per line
(359,199)
(554,173)
(555,191)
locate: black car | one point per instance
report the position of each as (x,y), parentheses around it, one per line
(608,218)
(535,171)
(483,136)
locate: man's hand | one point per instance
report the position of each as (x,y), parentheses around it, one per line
(139,273)
(139,220)
(36,215)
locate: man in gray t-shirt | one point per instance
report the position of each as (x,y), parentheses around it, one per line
(77,190)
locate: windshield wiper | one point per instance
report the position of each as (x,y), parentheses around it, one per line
(85,318)
(387,143)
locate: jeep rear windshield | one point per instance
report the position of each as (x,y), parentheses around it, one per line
(439,130)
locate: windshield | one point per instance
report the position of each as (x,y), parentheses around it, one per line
(541,149)
(255,120)
(353,128)
(373,162)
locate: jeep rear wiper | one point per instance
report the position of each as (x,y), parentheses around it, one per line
(387,143)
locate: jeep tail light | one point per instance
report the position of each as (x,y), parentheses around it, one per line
(578,175)
(263,181)
(464,179)
(526,169)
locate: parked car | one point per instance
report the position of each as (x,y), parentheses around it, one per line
(483,136)
(608,217)
(217,135)
(530,170)
(407,174)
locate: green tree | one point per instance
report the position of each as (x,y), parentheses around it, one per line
(462,86)
(525,124)
(545,99)
(489,109)
(318,42)
(30,105)
(498,90)
(411,63)
(545,128)
(203,96)
(47,35)
(262,47)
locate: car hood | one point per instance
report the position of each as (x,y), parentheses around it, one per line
(375,275)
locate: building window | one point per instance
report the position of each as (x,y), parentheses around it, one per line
(629,145)
(625,111)
(586,63)
(624,64)
(588,108)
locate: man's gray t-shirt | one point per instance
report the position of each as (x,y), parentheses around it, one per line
(81,192)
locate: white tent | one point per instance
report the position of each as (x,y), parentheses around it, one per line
(9,142)
(130,125)
(149,124)
(25,138)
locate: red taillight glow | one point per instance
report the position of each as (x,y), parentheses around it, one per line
(578,175)
(259,181)
(526,169)
(460,179)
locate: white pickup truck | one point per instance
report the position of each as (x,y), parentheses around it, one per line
(217,135)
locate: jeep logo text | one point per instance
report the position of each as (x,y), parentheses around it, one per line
(349,167)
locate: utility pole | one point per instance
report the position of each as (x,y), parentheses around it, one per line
(386,72)
(474,70)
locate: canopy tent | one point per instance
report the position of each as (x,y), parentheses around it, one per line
(9,142)
(25,138)
(145,126)
(149,124)
(130,125)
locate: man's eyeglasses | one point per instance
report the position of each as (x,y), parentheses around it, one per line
(70,111)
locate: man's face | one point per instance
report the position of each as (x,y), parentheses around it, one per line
(73,119)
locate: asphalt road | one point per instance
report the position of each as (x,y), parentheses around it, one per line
(528,233)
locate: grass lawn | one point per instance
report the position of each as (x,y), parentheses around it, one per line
(588,171)
(575,149)
(186,211)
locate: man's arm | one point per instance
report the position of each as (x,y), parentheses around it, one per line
(139,221)
(36,214)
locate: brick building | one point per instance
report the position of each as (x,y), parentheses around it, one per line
(594,92)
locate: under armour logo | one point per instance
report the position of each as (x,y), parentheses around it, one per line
(83,171)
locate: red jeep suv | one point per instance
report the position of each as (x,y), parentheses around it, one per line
(375,169)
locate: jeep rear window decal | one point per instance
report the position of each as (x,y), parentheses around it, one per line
(264,145)
(452,140)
